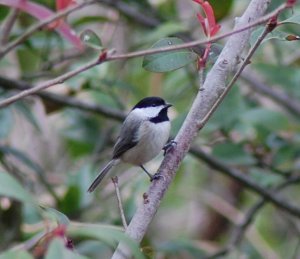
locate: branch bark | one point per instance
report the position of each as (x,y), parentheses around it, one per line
(213,88)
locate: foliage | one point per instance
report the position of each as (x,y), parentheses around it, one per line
(50,151)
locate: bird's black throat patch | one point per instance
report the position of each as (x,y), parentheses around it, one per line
(161,117)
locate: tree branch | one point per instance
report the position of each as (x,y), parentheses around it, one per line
(116,185)
(109,57)
(213,89)
(8,25)
(64,100)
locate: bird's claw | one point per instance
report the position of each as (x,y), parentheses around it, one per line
(157,176)
(169,146)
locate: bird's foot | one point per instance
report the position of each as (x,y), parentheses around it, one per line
(169,146)
(157,176)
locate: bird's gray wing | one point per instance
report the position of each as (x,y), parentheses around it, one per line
(128,137)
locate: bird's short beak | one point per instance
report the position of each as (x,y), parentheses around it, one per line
(168,105)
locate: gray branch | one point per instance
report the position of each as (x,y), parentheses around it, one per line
(213,88)
(63,100)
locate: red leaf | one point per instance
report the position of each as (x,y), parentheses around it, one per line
(41,13)
(210,27)
(60,5)
(63,4)
(201,19)
(290,3)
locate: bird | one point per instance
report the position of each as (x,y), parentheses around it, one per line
(144,133)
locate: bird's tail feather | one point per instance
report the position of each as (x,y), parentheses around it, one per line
(102,174)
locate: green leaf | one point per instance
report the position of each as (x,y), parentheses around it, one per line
(57,250)
(285,77)
(4,11)
(70,203)
(91,39)
(58,216)
(109,234)
(29,60)
(233,154)
(295,19)
(168,61)
(233,104)
(16,254)
(11,188)
(221,8)
(176,246)
(268,119)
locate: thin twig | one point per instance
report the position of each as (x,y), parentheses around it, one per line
(111,57)
(42,24)
(64,100)
(116,184)
(8,25)
(65,56)
(42,86)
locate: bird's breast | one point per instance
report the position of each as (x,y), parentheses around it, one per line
(151,139)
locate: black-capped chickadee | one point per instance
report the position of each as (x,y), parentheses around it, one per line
(143,135)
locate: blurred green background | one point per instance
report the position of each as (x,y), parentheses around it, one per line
(50,151)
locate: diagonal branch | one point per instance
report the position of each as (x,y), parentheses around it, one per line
(64,100)
(8,25)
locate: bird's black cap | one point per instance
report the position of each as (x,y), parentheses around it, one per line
(152,101)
